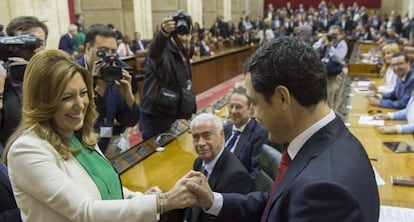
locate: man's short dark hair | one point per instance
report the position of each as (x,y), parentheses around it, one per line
(24,23)
(398,54)
(98,29)
(241,91)
(291,62)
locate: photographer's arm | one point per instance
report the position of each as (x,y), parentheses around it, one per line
(160,41)
(2,81)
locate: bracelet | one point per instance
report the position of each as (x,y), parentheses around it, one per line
(161,207)
(160,196)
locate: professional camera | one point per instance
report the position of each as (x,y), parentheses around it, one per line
(182,23)
(11,46)
(110,72)
(331,37)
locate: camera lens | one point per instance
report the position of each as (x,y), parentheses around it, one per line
(182,27)
(100,53)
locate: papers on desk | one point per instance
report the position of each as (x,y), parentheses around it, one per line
(378,178)
(363,90)
(363,83)
(396,214)
(369,120)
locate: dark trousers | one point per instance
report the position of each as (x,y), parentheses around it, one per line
(150,125)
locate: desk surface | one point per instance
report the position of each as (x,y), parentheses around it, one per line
(386,162)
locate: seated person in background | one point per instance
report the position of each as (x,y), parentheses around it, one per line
(124,48)
(138,44)
(223,170)
(244,39)
(386,70)
(398,98)
(56,170)
(244,135)
(115,102)
(332,49)
(204,48)
(404,114)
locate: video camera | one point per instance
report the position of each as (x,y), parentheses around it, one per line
(10,46)
(182,22)
(110,72)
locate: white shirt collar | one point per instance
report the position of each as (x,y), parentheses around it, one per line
(241,129)
(296,144)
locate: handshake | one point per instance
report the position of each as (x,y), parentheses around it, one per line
(191,190)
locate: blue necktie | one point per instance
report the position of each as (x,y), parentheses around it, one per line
(233,139)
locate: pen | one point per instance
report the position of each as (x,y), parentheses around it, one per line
(373,159)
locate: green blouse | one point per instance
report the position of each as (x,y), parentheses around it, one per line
(99,169)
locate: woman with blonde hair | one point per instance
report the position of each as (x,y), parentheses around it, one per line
(386,70)
(56,169)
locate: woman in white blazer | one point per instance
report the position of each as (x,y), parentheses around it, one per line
(56,170)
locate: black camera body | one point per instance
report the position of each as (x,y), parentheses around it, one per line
(110,71)
(331,37)
(9,47)
(182,23)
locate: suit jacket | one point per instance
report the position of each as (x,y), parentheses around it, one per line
(136,45)
(247,149)
(330,179)
(8,208)
(228,176)
(49,188)
(66,43)
(399,98)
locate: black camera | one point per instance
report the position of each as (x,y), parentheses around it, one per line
(182,23)
(331,37)
(10,46)
(110,71)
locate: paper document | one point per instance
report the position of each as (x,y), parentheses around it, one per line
(363,83)
(396,214)
(378,178)
(369,120)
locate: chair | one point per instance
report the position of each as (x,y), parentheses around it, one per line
(269,162)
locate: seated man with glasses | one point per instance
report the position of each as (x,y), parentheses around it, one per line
(398,98)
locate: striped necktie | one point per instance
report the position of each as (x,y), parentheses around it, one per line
(233,139)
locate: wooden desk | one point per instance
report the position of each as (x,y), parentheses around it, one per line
(385,161)
(163,168)
(362,67)
(209,71)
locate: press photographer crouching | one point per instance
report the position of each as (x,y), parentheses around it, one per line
(167,92)
(332,49)
(26,35)
(115,89)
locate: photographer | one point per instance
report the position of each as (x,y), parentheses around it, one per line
(12,95)
(167,91)
(114,88)
(332,50)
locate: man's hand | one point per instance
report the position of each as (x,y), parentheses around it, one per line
(180,196)
(201,189)
(125,88)
(167,26)
(387,129)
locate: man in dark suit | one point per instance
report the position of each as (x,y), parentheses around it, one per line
(325,173)
(8,208)
(251,134)
(66,40)
(138,44)
(223,170)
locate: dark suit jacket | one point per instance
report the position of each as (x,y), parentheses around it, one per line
(228,175)
(136,46)
(66,43)
(330,179)
(248,147)
(8,208)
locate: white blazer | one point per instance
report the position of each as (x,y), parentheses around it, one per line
(48,188)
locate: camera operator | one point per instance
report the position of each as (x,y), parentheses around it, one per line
(11,99)
(332,48)
(168,72)
(114,88)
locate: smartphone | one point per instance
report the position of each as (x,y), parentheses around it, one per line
(399,147)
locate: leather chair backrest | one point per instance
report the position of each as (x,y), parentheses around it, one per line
(269,162)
